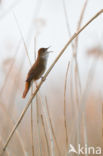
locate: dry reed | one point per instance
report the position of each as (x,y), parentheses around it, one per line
(41,82)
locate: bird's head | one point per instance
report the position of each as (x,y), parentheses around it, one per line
(43,52)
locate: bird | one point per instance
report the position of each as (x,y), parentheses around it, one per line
(37,69)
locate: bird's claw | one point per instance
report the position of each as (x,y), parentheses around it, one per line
(43,78)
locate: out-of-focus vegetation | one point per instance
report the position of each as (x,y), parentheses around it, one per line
(68,107)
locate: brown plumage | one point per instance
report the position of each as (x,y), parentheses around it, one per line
(37,69)
(27,86)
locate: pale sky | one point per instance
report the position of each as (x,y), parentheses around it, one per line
(53,32)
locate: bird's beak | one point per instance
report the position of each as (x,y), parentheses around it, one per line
(48,51)
(47,48)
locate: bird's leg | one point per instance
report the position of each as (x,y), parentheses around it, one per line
(43,78)
(36,85)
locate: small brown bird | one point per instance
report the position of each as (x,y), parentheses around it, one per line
(37,69)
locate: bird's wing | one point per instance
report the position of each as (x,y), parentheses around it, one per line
(35,72)
(31,74)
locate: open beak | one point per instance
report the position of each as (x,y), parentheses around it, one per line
(49,51)
(47,48)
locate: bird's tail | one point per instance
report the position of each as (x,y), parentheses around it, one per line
(27,86)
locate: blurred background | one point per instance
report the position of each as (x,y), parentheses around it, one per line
(68,107)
